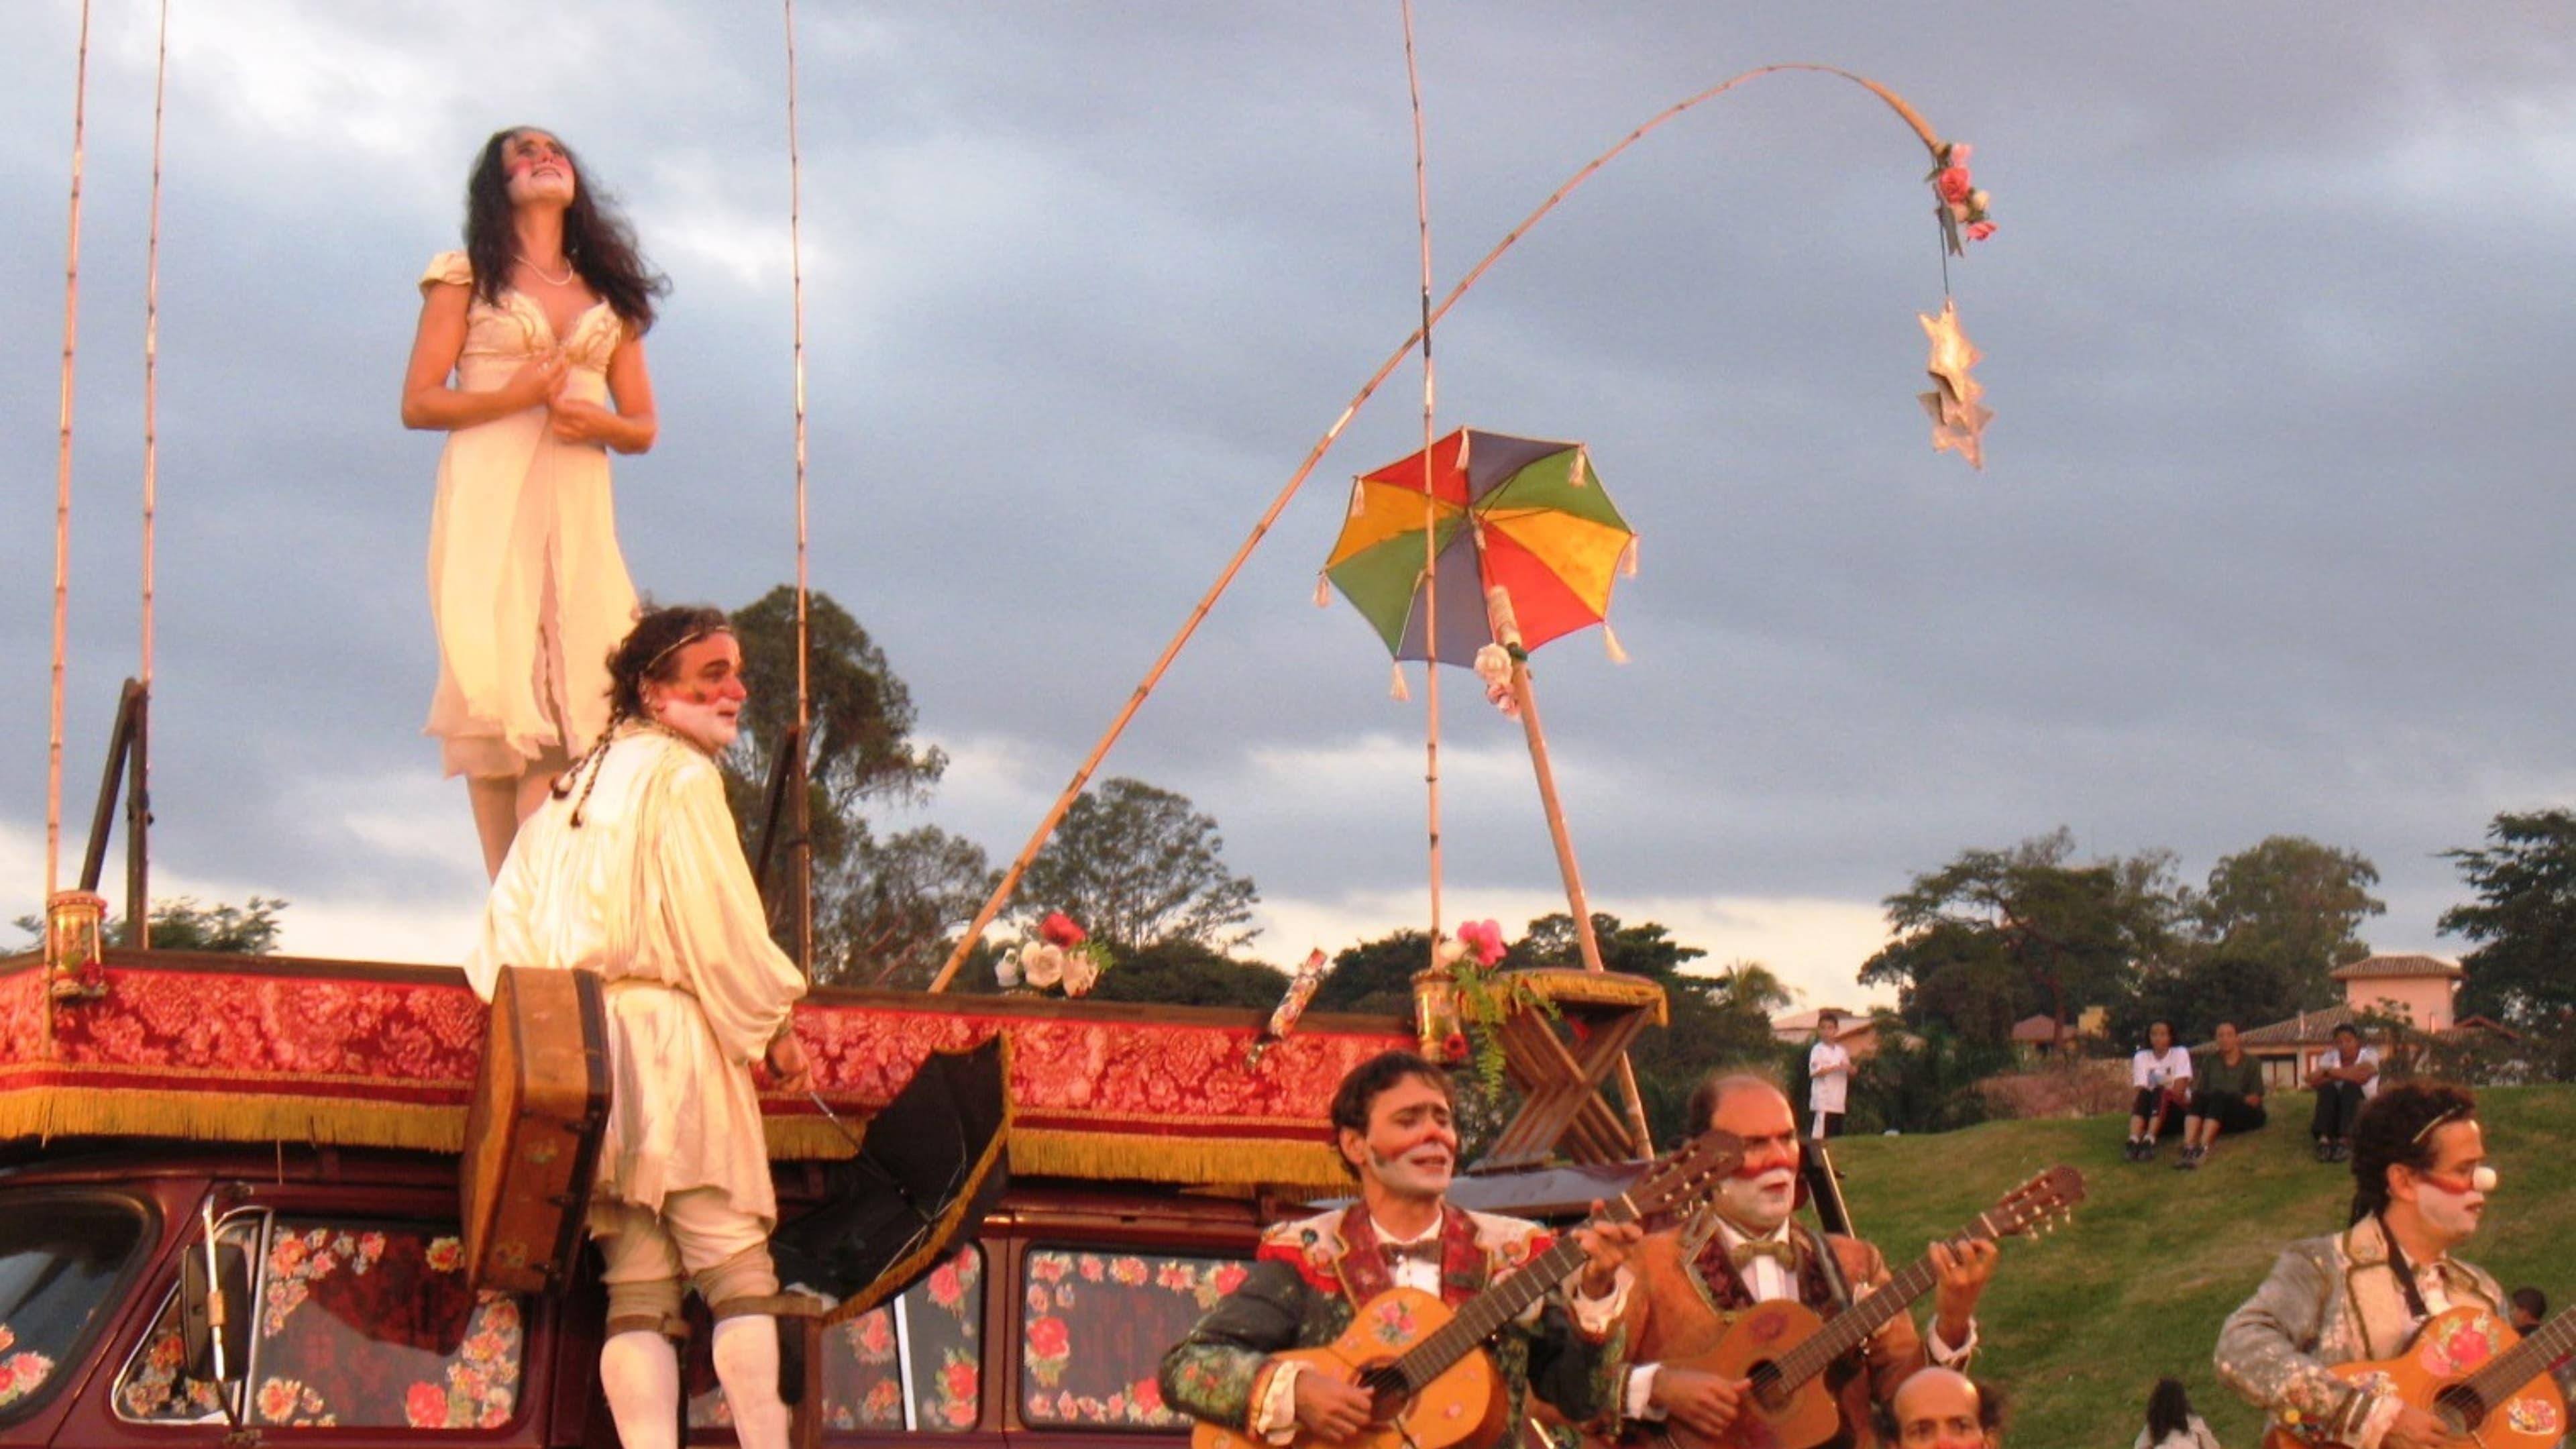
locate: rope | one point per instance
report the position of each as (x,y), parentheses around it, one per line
(1430,500)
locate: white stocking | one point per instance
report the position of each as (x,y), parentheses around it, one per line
(640,1375)
(746,1353)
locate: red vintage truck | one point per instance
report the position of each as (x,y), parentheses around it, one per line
(312,1113)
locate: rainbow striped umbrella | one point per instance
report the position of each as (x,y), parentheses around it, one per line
(1523,513)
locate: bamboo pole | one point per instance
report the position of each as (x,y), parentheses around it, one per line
(138,798)
(1261,527)
(63,480)
(800,854)
(1430,496)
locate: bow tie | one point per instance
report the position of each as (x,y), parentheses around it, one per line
(1776,1249)
(1424,1250)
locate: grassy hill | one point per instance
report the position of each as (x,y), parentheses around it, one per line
(2079,1324)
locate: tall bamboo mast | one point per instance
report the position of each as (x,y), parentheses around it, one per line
(138,913)
(1430,497)
(63,479)
(801,853)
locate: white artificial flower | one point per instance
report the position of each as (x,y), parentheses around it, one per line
(1006,972)
(1081,970)
(1042,965)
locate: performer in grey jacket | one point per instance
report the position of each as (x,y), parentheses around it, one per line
(2419,1161)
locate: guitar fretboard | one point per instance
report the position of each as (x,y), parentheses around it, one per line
(2529,1360)
(1488,1311)
(1870,1314)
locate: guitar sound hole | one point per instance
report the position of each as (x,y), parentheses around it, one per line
(2460,1406)
(1765,1384)
(1387,1392)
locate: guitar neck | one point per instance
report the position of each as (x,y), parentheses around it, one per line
(2529,1360)
(1488,1311)
(1856,1323)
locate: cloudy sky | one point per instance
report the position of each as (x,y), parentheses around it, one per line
(2272,536)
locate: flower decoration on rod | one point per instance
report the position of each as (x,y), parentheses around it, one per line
(1963,206)
(1061,956)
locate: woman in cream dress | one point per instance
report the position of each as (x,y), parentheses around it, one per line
(530,356)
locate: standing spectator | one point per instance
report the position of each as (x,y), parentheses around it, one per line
(2346,1076)
(2160,1071)
(2226,1095)
(1828,1077)
(2170,1422)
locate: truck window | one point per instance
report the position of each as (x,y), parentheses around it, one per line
(354,1325)
(913,1364)
(1095,1325)
(59,1258)
(155,1387)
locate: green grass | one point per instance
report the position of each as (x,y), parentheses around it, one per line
(2079,1324)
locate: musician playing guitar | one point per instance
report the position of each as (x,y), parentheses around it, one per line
(1392,1122)
(2419,1163)
(1687,1297)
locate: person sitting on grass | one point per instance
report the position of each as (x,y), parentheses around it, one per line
(2170,1422)
(2226,1096)
(2161,1072)
(2345,1077)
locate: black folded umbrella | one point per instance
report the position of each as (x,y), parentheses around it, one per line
(930,1165)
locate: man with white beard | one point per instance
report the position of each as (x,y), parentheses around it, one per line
(2419,1163)
(1690,1286)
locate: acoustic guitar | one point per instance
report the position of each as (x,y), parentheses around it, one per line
(1782,1349)
(2468,1369)
(1434,1387)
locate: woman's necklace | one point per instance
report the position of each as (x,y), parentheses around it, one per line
(563,281)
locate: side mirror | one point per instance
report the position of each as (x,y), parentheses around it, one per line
(213,1311)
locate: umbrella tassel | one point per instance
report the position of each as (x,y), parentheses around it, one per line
(1610,644)
(1628,559)
(1323,590)
(1395,683)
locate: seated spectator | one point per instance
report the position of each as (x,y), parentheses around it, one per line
(2170,1422)
(2161,1072)
(2226,1096)
(1938,1408)
(2346,1076)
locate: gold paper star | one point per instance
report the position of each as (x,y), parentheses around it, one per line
(1958,418)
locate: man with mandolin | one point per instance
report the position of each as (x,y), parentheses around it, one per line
(1705,1289)
(1308,1348)
(2376,1337)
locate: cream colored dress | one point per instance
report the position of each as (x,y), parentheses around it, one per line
(526,586)
(652,893)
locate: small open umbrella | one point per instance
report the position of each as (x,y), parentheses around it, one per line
(1524,514)
(930,1165)
(1525,546)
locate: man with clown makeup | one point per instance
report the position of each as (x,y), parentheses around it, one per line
(1393,1125)
(1692,1281)
(2419,1165)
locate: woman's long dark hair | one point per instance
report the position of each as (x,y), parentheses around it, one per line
(2168,1411)
(596,240)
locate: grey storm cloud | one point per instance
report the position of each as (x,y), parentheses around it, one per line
(2271,537)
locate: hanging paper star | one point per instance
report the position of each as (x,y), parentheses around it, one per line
(1958,417)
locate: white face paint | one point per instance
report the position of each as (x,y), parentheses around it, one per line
(1761,1202)
(709,724)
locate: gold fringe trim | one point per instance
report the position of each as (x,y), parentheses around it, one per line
(1162,1159)
(49,1112)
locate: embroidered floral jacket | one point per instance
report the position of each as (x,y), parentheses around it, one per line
(1685,1302)
(1310,1277)
(2329,1301)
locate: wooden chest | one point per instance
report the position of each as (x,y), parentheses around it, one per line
(533,1133)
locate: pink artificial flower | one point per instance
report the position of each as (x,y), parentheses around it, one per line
(1484,939)
(1980,230)
(1454,1047)
(1058,929)
(1954,185)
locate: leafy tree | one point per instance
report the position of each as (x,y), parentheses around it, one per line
(895,906)
(184,925)
(1997,931)
(2278,917)
(1139,866)
(1375,977)
(2524,970)
(1185,973)
(1925,1084)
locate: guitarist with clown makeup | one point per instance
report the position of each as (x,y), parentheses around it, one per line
(1393,1124)
(1695,1285)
